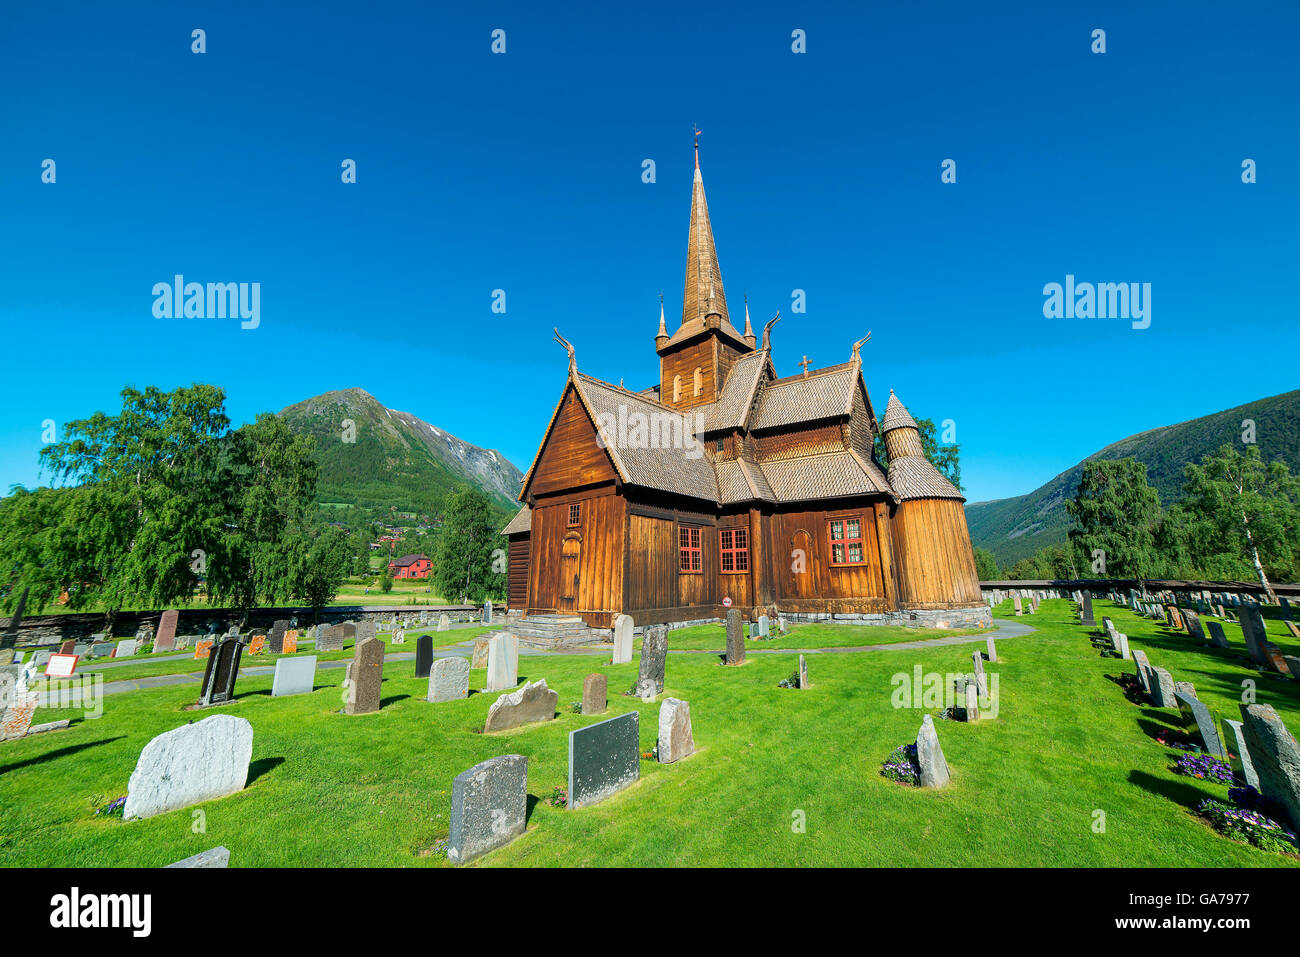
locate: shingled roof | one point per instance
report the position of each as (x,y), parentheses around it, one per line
(522,522)
(732,409)
(913,476)
(896,417)
(825,394)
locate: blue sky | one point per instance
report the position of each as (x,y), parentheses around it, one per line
(522,172)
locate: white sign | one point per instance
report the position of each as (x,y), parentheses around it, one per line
(61,666)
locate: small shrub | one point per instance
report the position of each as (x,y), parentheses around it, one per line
(113,808)
(791,682)
(1248,826)
(559,797)
(902,766)
(575,707)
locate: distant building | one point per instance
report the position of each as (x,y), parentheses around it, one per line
(411,566)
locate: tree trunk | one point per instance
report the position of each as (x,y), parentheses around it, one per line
(1259,566)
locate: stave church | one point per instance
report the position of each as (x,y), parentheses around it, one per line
(764,494)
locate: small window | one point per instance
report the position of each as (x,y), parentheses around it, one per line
(722,445)
(699,380)
(575,514)
(689,550)
(734,548)
(677,388)
(846,541)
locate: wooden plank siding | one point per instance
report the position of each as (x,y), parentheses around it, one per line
(572,458)
(936,566)
(517,572)
(596,548)
(821,586)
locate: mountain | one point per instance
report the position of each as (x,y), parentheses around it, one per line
(396,458)
(1015,528)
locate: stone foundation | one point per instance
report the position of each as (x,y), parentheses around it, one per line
(978,617)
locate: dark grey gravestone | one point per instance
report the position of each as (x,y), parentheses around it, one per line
(604,758)
(1275,755)
(275,637)
(1217,637)
(489,807)
(1252,627)
(1194,709)
(294,676)
(222,670)
(423,655)
(1087,618)
(654,657)
(735,638)
(216,857)
(1286,608)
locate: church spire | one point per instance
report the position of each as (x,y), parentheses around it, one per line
(749,328)
(661,337)
(704,293)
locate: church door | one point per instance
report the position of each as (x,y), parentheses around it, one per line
(801,564)
(570,552)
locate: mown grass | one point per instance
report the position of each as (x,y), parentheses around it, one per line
(714,637)
(329,790)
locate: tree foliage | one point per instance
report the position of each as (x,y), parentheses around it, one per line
(470,547)
(1116,511)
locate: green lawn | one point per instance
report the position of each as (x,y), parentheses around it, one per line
(329,790)
(714,637)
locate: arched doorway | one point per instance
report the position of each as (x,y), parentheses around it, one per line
(570,553)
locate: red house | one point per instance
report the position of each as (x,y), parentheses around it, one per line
(410,566)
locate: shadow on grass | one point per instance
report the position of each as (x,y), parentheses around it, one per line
(262,766)
(59,753)
(533,801)
(392,699)
(1187,795)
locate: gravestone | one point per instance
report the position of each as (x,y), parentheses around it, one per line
(424,616)
(595,698)
(126,648)
(981,682)
(366,629)
(803,672)
(348,629)
(487,612)
(764,626)
(1194,710)
(1162,687)
(293,676)
(203,647)
(654,658)
(1217,637)
(424,656)
(604,758)
(622,639)
(399,636)
(1276,756)
(444,622)
(257,645)
(1235,739)
(290,645)
(165,640)
(1293,665)
(532,703)
(216,857)
(480,659)
(67,647)
(16,716)
(1252,627)
(991,648)
(1019,607)
(1123,646)
(929,756)
(220,674)
(329,638)
(503,662)
(676,740)
(972,701)
(190,764)
(1085,617)
(365,677)
(449,680)
(1194,627)
(735,638)
(275,639)
(489,807)
(1286,608)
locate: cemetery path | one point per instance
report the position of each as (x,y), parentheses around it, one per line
(1004,629)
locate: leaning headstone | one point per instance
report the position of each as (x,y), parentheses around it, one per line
(735,638)
(1217,637)
(220,674)
(190,764)
(480,658)
(449,680)
(1276,756)
(1252,627)
(1194,710)
(424,655)
(1162,687)
(992,649)
(489,807)
(165,640)
(676,739)
(216,857)
(1242,766)
(622,639)
(365,677)
(654,658)
(595,698)
(1123,646)
(17,714)
(503,662)
(348,629)
(604,758)
(929,756)
(531,703)
(293,676)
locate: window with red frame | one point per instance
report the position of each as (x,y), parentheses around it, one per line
(575,514)
(846,541)
(734,548)
(688,551)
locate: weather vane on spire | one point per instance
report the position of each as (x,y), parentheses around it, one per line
(698,131)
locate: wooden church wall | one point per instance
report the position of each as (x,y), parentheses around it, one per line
(517,572)
(684,362)
(572,458)
(936,566)
(821,586)
(592,550)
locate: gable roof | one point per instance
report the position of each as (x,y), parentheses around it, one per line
(824,394)
(732,408)
(408,560)
(522,522)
